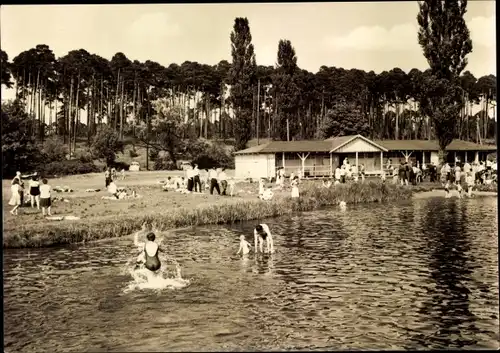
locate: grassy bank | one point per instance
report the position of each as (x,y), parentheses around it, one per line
(44,234)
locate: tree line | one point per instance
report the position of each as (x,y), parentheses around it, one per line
(243,100)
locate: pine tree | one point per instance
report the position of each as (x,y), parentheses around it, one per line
(286,88)
(242,78)
(445,40)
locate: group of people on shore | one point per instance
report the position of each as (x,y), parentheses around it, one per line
(38,191)
(197,181)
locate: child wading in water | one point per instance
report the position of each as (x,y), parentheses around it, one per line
(447,189)
(45,197)
(244,246)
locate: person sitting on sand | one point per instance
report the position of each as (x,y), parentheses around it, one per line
(113,189)
(149,251)
(268,194)
(244,246)
(261,233)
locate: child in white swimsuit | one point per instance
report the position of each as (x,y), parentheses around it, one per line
(244,246)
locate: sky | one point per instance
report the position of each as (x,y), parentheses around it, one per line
(374,36)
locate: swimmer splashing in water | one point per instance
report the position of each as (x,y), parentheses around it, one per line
(148,252)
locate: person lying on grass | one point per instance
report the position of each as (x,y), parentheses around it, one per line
(261,233)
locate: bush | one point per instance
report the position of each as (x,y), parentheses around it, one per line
(164,164)
(54,149)
(19,151)
(106,144)
(133,153)
(85,156)
(119,165)
(215,155)
(153,154)
(71,167)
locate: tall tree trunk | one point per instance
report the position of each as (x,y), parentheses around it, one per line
(207,104)
(77,112)
(122,108)
(486,116)
(69,103)
(115,115)
(133,105)
(36,108)
(397,121)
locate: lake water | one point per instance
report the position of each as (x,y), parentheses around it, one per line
(419,274)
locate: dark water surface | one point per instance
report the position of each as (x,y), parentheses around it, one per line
(421,274)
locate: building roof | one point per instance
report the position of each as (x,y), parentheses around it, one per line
(344,140)
(289,146)
(333,143)
(432,145)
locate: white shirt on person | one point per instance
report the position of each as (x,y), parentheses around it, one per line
(112,188)
(196,172)
(337,173)
(189,173)
(212,174)
(45,191)
(222,176)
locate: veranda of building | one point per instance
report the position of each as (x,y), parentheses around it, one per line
(320,158)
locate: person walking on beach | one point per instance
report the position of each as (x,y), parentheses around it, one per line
(34,186)
(261,234)
(45,201)
(214,184)
(15,199)
(223,181)
(196,179)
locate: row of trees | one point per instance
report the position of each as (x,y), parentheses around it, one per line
(244,100)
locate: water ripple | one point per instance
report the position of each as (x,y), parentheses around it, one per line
(418,275)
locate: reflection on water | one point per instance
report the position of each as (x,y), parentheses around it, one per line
(421,274)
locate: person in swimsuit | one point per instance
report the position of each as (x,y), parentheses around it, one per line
(149,251)
(244,246)
(35,192)
(261,234)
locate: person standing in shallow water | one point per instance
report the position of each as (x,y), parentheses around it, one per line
(261,234)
